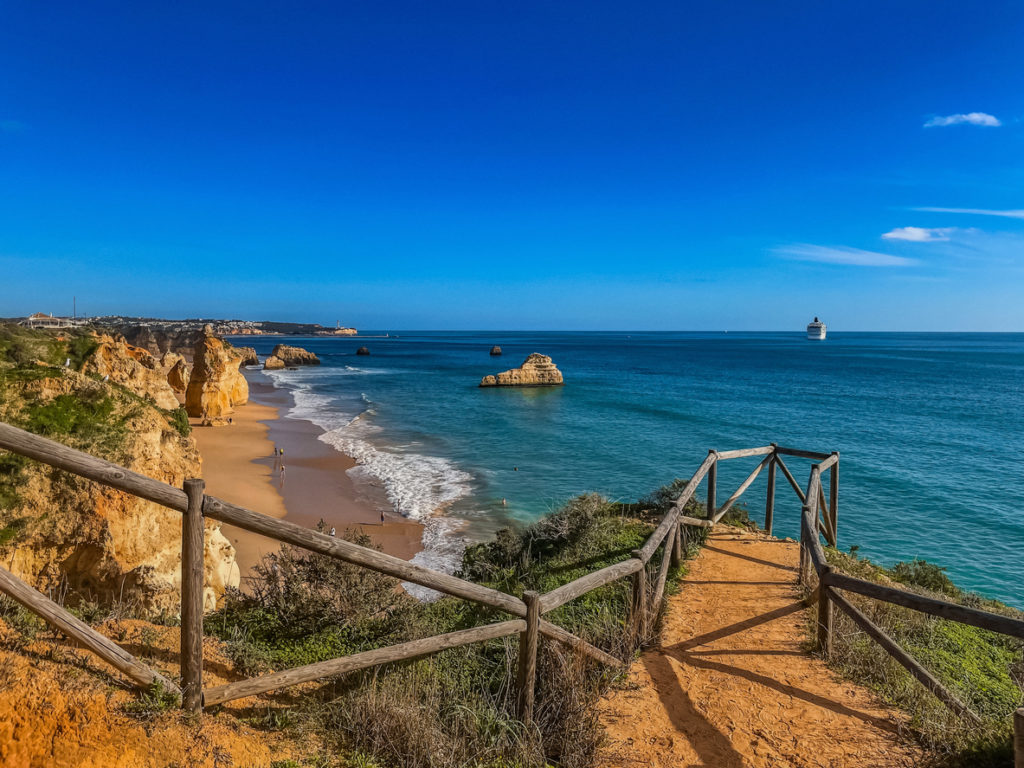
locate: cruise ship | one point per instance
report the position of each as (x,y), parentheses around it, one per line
(816,330)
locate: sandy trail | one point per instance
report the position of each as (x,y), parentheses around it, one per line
(731,685)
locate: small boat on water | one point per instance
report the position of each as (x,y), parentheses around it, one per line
(816,330)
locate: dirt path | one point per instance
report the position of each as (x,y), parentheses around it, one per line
(730,685)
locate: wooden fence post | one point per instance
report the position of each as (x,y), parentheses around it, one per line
(833,498)
(192,598)
(640,612)
(712,482)
(769,506)
(1018,738)
(527,675)
(677,544)
(802,576)
(824,634)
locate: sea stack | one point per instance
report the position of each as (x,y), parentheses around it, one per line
(293,356)
(363,351)
(536,371)
(495,351)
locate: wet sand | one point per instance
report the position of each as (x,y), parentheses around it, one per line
(239,465)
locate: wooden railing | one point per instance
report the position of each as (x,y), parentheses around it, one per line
(527,612)
(819,517)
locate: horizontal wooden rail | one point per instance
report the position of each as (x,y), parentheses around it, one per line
(696,522)
(82,633)
(975,617)
(402,652)
(908,662)
(742,452)
(590,582)
(802,454)
(289,532)
(555,632)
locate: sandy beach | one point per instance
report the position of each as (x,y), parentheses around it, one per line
(239,465)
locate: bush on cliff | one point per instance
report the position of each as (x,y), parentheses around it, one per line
(458,707)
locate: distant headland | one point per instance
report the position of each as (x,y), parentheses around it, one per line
(175,327)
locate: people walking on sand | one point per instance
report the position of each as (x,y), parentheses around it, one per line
(332,530)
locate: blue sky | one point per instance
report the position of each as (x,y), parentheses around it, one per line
(517,165)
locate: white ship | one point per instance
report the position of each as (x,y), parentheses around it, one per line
(816,330)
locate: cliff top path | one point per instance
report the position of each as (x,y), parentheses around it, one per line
(732,685)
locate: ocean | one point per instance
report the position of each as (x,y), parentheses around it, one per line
(930,427)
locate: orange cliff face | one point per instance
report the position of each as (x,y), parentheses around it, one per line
(216,385)
(105,545)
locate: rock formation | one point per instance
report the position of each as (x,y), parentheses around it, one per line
(177,371)
(132,367)
(216,385)
(103,544)
(495,351)
(249,356)
(273,363)
(158,341)
(536,371)
(294,356)
(363,351)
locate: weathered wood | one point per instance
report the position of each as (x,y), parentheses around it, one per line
(192,598)
(677,544)
(908,662)
(712,485)
(810,540)
(769,504)
(286,531)
(641,614)
(402,652)
(826,523)
(82,633)
(526,678)
(696,522)
(833,499)
(944,610)
(555,632)
(89,467)
(582,585)
(654,540)
(824,633)
(741,453)
(791,479)
(666,560)
(1018,738)
(802,454)
(828,463)
(741,490)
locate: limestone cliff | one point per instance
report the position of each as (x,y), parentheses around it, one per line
(294,355)
(61,532)
(133,368)
(273,363)
(216,385)
(536,371)
(248,355)
(158,341)
(178,371)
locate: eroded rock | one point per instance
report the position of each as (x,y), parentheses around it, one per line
(536,371)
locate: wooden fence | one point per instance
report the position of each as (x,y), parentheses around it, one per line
(819,517)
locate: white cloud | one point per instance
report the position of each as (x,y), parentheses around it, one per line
(841,255)
(920,234)
(977,211)
(970,118)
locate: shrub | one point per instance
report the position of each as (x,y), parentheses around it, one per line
(921,573)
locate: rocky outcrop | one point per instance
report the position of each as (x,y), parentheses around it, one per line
(177,371)
(495,351)
(363,351)
(248,354)
(294,356)
(159,342)
(536,371)
(273,363)
(105,545)
(133,368)
(216,385)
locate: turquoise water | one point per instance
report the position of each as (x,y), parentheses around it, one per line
(930,428)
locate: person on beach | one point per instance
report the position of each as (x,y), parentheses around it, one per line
(332,530)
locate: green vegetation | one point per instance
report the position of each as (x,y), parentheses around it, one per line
(983,669)
(178,418)
(152,703)
(456,708)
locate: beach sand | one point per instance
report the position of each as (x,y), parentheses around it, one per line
(239,466)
